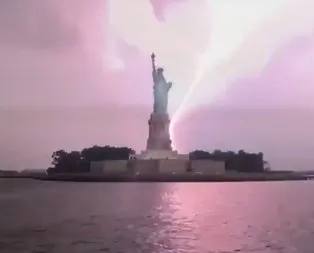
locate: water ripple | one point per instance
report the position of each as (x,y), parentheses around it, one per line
(212,218)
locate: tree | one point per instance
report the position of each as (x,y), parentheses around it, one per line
(199,154)
(241,161)
(58,156)
(79,161)
(266,166)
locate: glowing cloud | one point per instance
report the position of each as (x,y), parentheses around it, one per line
(231,24)
(206,46)
(249,49)
(177,42)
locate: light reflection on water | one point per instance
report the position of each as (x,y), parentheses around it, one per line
(156,217)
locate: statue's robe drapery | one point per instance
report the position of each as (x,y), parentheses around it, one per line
(161,89)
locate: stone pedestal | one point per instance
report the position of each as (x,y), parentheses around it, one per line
(159,136)
(159,143)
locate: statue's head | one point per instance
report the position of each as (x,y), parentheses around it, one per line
(160,70)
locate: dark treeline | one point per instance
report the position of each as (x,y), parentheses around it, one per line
(240,162)
(79,161)
(8,173)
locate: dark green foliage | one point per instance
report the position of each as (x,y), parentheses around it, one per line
(240,162)
(79,161)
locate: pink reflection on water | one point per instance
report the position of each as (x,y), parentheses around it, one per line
(226,217)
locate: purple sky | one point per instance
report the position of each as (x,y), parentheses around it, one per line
(77,73)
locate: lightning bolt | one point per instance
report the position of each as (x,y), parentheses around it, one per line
(201,68)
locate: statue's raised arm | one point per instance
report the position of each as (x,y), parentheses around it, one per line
(154,67)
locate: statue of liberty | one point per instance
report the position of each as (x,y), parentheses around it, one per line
(161,89)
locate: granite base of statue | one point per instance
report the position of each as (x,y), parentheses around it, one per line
(158,133)
(159,141)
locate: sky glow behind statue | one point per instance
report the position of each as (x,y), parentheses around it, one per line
(218,52)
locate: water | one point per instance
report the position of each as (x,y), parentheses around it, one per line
(63,217)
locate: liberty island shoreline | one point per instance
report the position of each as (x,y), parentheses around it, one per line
(166,177)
